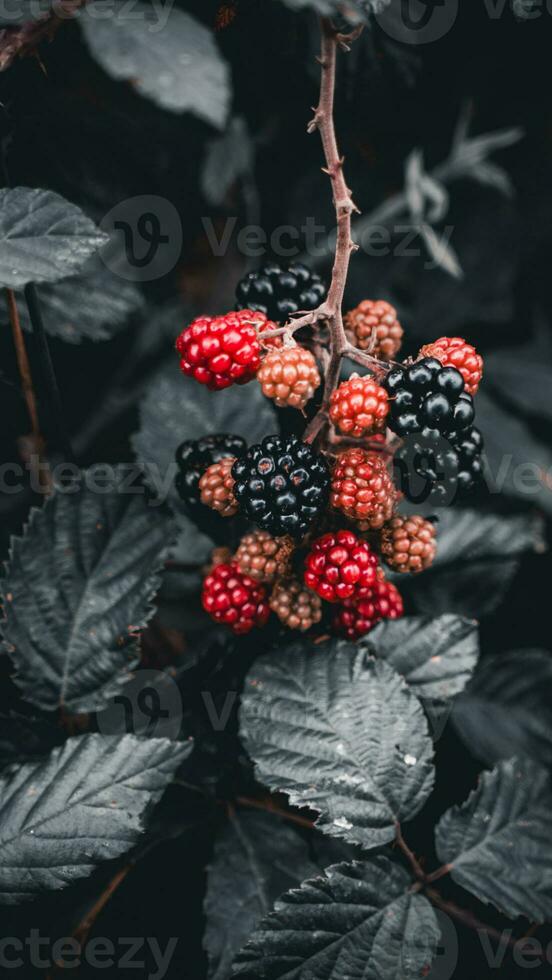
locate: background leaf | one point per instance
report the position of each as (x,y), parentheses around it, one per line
(228,158)
(83,804)
(94,305)
(357,921)
(473,547)
(498,842)
(176,64)
(78,587)
(507,708)
(43,237)
(175,408)
(340,733)
(257,857)
(436,657)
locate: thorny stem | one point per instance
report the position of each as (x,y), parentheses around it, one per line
(330,309)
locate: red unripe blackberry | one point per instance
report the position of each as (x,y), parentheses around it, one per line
(359,406)
(340,566)
(263,557)
(408,543)
(356,617)
(234,599)
(373,326)
(223,350)
(295,606)
(289,376)
(455,352)
(216,488)
(387,598)
(362,488)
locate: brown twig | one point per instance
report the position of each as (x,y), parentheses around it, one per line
(23,40)
(417,869)
(270,807)
(31,446)
(470,921)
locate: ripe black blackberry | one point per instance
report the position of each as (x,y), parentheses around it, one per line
(427,395)
(193,457)
(279,290)
(282,485)
(439,469)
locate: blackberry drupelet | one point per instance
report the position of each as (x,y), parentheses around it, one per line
(439,469)
(282,485)
(193,457)
(427,395)
(280,291)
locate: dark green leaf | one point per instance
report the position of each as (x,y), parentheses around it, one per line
(43,237)
(83,804)
(436,657)
(340,733)
(24,737)
(472,548)
(176,408)
(95,305)
(257,857)
(228,158)
(358,922)
(507,708)
(79,587)
(498,843)
(166,54)
(517,463)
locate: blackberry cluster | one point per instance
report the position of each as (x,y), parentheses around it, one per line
(282,485)
(280,291)
(427,395)
(193,457)
(439,469)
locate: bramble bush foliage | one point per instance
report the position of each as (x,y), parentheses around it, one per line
(251,634)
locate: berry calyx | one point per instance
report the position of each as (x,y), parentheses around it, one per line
(340,566)
(359,407)
(289,377)
(427,395)
(282,485)
(455,352)
(223,350)
(278,291)
(234,599)
(193,457)
(295,606)
(362,488)
(263,557)
(216,488)
(373,326)
(408,544)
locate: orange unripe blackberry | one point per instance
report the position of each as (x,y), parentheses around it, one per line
(216,488)
(295,606)
(359,407)
(362,488)
(373,326)
(263,557)
(455,352)
(289,377)
(408,544)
